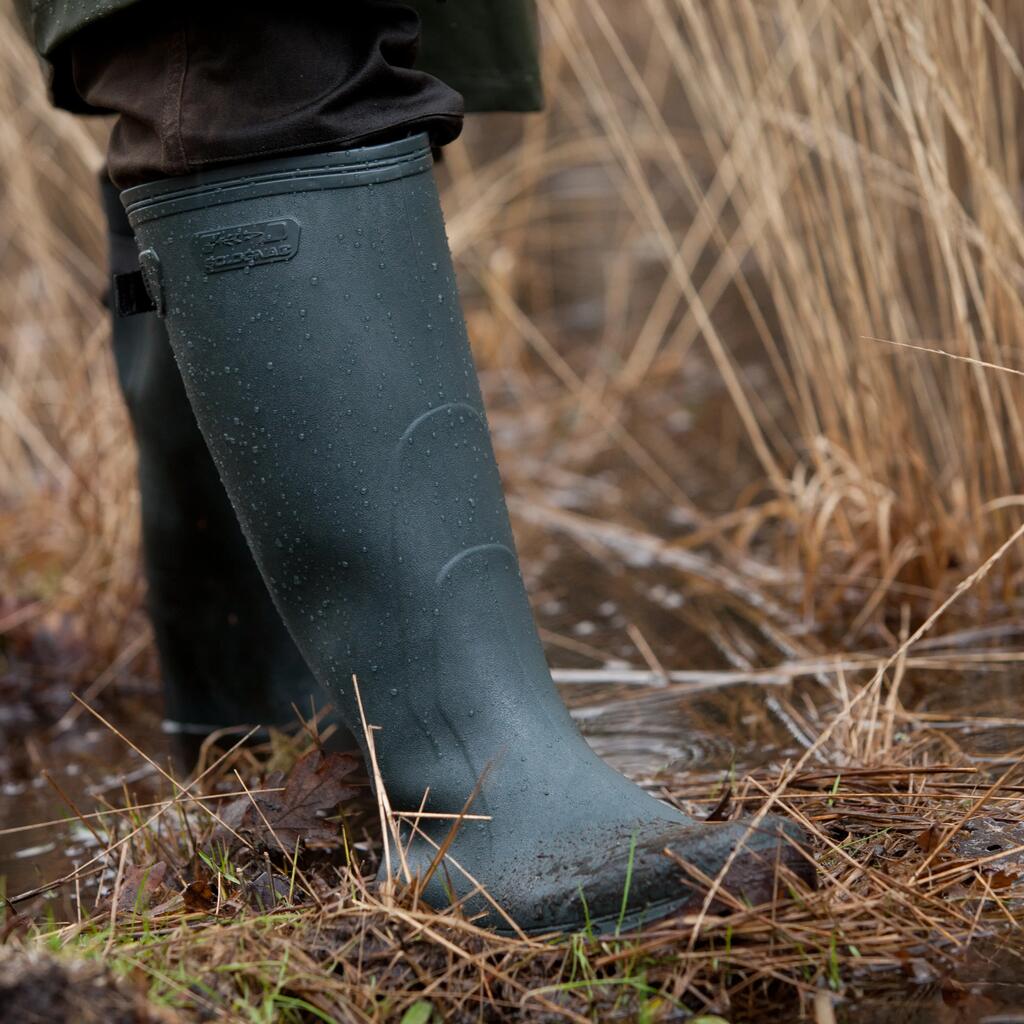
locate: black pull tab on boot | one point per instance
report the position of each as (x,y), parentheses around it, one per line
(330,373)
(130,296)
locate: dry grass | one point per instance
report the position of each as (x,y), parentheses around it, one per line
(241,925)
(747,298)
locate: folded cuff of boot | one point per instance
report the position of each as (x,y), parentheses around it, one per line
(366,165)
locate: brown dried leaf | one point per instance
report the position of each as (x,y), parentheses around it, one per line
(1002,879)
(317,784)
(139,886)
(199,897)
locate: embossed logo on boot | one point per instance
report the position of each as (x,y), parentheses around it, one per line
(248,245)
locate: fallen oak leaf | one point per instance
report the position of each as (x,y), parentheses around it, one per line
(317,784)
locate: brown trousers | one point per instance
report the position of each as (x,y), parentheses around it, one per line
(198,85)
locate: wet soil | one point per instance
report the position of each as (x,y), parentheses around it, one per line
(38,989)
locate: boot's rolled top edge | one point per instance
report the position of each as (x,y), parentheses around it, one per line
(309,172)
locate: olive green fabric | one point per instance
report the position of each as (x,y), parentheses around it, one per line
(486,49)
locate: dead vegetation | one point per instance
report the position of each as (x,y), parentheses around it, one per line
(748,303)
(247,894)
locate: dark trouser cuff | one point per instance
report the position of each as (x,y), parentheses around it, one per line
(206,85)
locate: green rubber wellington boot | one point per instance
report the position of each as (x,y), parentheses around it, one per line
(225,655)
(312,307)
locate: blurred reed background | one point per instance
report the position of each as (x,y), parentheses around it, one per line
(684,283)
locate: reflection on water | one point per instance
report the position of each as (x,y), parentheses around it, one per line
(984,985)
(85,762)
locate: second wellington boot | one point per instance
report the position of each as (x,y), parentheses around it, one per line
(225,656)
(312,307)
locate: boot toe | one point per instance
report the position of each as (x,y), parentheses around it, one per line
(617,879)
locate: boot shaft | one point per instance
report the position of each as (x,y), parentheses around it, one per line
(225,656)
(311,305)
(313,310)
